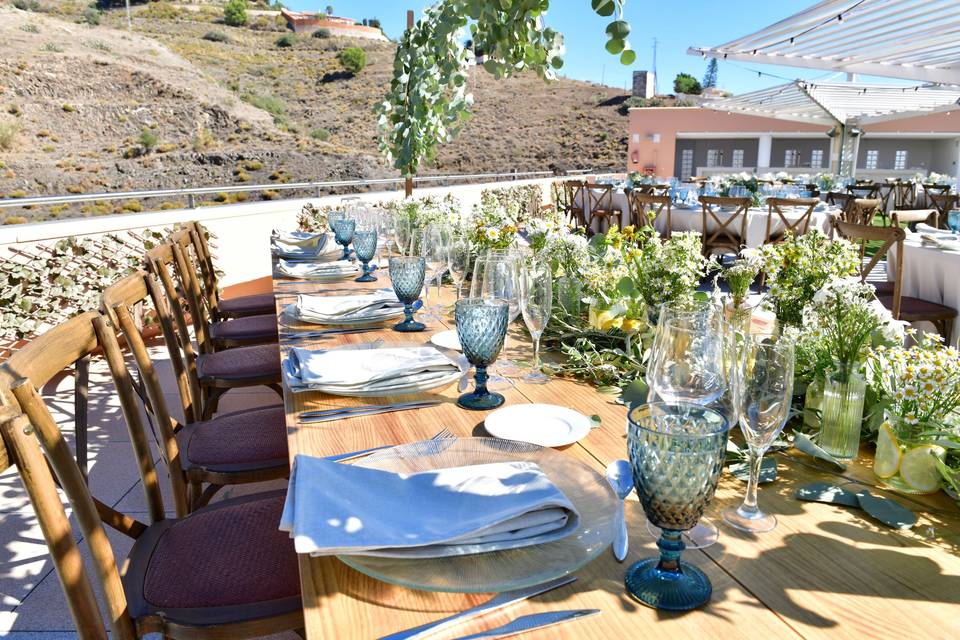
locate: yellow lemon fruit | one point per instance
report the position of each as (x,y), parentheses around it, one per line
(887,460)
(919,467)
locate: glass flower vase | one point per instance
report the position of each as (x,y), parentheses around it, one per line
(841,416)
(813,404)
(569,292)
(739,317)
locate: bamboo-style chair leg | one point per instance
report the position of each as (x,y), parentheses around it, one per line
(212,401)
(204,499)
(196,494)
(277,388)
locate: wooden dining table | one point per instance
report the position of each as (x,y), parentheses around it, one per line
(825,572)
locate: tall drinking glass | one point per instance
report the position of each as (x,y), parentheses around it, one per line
(403,234)
(764,393)
(343,231)
(496,276)
(536,305)
(481,327)
(677,452)
(953,220)
(365,245)
(461,256)
(406,275)
(687,361)
(433,249)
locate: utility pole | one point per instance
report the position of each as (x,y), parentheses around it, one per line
(656,78)
(408,183)
(129,21)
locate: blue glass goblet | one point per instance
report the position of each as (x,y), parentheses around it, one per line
(406,275)
(365,245)
(676,452)
(481,327)
(953,220)
(335,216)
(343,231)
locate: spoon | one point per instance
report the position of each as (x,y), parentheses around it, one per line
(620,476)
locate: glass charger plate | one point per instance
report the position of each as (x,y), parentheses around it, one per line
(382,315)
(504,570)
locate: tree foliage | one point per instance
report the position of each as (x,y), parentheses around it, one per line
(235,13)
(686,83)
(428,102)
(353,60)
(710,77)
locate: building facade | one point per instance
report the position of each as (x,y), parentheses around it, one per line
(307,22)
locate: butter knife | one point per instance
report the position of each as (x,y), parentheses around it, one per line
(363,412)
(501,601)
(531,622)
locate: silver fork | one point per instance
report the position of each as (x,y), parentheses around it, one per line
(443,434)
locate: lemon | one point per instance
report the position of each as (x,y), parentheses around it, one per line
(919,467)
(887,460)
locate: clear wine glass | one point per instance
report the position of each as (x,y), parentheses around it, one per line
(495,276)
(434,252)
(536,305)
(461,257)
(403,234)
(764,390)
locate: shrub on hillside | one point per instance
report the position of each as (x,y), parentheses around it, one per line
(8,134)
(235,13)
(215,36)
(286,41)
(320,134)
(353,60)
(91,16)
(147,140)
(27,5)
(321,33)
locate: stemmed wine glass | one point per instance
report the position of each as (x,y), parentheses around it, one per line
(343,231)
(434,251)
(953,221)
(365,245)
(536,305)
(460,254)
(481,328)
(403,234)
(406,275)
(677,452)
(763,395)
(495,276)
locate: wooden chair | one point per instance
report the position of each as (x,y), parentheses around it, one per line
(225,571)
(558,193)
(930,190)
(944,203)
(576,197)
(792,224)
(903,308)
(864,190)
(216,371)
(653,189)
(842,200)
(233,448)
(600,207)
(861,211)
(885,192)
(730,231)
(904,194)
(644,208)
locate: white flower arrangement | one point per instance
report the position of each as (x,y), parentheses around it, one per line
(492,226)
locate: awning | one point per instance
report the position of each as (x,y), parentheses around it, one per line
(912,39)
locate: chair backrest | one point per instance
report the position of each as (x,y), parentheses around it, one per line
(653,189)
(178,278)
(813,189)
(884,191)
(729,227)
(208,271)
(868,191)
(576,196)
(888,237)
(790,221)
(904,194)
(558,193)
(646,207)
(842,200)
(862,211)
(944,202)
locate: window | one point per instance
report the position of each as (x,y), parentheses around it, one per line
(713,157)
(871,164)
(791,158)
(900,160)
(686,163)
(737,160)
(816,159)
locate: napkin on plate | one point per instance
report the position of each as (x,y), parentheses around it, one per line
(321,309)
(375,371)
(317,269)
(295,245)
(334,508)
(302,239)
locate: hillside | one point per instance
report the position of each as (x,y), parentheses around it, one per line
(96,108)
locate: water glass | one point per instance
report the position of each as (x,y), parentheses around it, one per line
(461,256)
(481,327)
(406,275)
(365,245)
(403,234)
(677,452)
(496,276)
(334,217)
(536,305)
(434,249)
(763,395)
(953,220)
(687,361)
(343,231)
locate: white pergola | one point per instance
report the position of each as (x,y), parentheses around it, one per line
(911,39)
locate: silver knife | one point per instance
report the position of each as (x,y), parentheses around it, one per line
(531,622)
(356,414)
(501,601)
(320,413)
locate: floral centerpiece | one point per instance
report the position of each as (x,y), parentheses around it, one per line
(800,266)
(739,276)
(724,183)
(421,212)
(492,225)
(939,178)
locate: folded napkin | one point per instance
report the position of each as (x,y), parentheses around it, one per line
(926,229)
(311,246)
(302,239)
(374,371)
(321,309)
(336,508)
(317,269)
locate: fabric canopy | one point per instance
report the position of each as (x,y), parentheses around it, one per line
(912,39)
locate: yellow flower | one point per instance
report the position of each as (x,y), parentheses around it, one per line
(605,319)
(632,325)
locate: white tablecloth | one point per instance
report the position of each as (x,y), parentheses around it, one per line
(683,219)
(930,274)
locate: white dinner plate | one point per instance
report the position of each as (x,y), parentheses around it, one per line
(547,425)
(447,340)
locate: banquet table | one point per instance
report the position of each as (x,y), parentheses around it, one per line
(690,218)
(826,571)
(929,273)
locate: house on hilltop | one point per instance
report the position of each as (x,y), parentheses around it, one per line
(308,22)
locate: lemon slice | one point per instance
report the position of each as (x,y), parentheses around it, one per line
(887,460)
(919,467)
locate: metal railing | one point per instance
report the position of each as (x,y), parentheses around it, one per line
(317,187)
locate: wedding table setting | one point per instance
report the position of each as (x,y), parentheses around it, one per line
(440,473)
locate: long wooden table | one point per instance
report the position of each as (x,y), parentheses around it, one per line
(825,571)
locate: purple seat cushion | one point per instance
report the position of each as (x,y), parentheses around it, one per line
(247,328)
(259,361)
(248,305)
(222,555)
(248,436)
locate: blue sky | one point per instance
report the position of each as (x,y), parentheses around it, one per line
(676,24)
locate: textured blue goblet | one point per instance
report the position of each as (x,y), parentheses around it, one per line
(676,452)
(335,216)
(406,275)
(343,231)
(482,327)
(365,245)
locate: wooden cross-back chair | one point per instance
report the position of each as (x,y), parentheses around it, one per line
(217,371)
(902,307)
(884,193)
(861,211)
(558,194)
(842,200)
(904,194)
(576,197)
(225,571)
(793,224)
(864,190)
(944,202)
(646,207)
(653,189)
(233,448)
(930,190)
(600,208)
(730,227)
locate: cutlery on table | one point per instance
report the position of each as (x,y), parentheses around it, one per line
(443,434)
(620,476)
(531,622)
(500,601)
(317,413)
(327,332)
(344,413)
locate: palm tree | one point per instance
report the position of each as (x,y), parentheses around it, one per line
(329,9)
